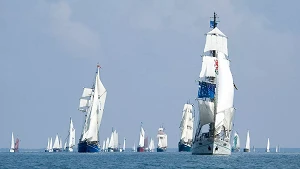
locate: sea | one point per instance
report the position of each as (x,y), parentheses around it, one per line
(286,158)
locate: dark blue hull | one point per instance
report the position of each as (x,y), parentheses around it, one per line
(88,147)
(161,149)
(184,147)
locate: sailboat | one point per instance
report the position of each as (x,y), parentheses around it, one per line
(123,149)
(113,142)
(268,146)
(215,97)
(247,147)
(141,146)
(146,148)
(277,149)
(92,103)
(106,144)
(133,148)
(57,145)
(103,146)
(236,143)
(186,127)
(162,140)
(12,144)
(71,137)
(48,146)
(151,145)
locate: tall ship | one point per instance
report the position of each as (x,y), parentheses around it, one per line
(215,97)
(162,140)
(186,128)
(236,145)
(247,147)
(14,146)
(92,104)
(141,146)
(71,138)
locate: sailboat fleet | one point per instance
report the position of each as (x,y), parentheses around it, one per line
(213,128)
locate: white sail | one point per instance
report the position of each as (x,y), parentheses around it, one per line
(124,144)
(56,142)
(65,146)
(151,145)
(116,139)
(268,146)
(12,144)
(107,143)
(133,148)
(60,144)
(216,40)
(50,146)
(142,137)
(208,68)
(187,123)
(103,145)
(94,109)
(111,141)
(248,141)
(71,135)
(84,101)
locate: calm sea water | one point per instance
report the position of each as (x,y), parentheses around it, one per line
(173,159)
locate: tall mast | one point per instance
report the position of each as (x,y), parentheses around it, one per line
(212,125)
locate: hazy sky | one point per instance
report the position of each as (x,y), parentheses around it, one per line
(149,51)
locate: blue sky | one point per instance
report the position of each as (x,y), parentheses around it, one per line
(149,52)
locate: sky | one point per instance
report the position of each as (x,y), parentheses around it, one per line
(150,54)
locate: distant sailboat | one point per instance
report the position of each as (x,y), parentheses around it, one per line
(151,145)
(141,147)
(57,145)
(247,147)
(113,142)
(123,149)
(48,146)
(92,103)
(71,137)
(253,148)
(276,149)
(236,143)
(146,148)
(268,146)
(133,148)
(186,127)
(103,146)
(12,144)
(162,140)
(106,144)
(215,97)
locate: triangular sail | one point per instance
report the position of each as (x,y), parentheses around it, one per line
(71,134)
(268,146)
(50,146)
(12,145)
(142,137)
(56,142)
(248,141)
(124,144)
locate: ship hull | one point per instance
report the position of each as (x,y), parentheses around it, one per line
(56,150)
(163,149)
(235,150)
(246,150)
(140,149)
(88,147)
(113,150)
(210,147)
(184,147)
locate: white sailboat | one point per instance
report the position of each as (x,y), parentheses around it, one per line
(277,149)
(124,144)
(215,97)
(56,145)
(162,140)
(236,143)
(247,147)
(50,146)
(92,103)
(268,146)
(12,144)
(103,146)
(186,128)
(151,145)
(113,142)
(71,137)
(141,146)
(107,144)
(134,148)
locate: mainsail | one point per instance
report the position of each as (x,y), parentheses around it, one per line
(71,141)
(56,144)
(142,137)
(248,141)
(92,102)
(268,146)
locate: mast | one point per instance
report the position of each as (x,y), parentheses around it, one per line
(212,125)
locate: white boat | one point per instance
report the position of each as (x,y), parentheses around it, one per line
(141,146)
(268,146)
(92,103)
(50,146)
(103,146)
(247,147)
(236,143)
(162,140)
(186,128)
(12,144)
(106,144)
(151,145)
(133,148)
(215,97)
(277,149)
(124,144)
(57,145)
(71,137)
(113,142)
